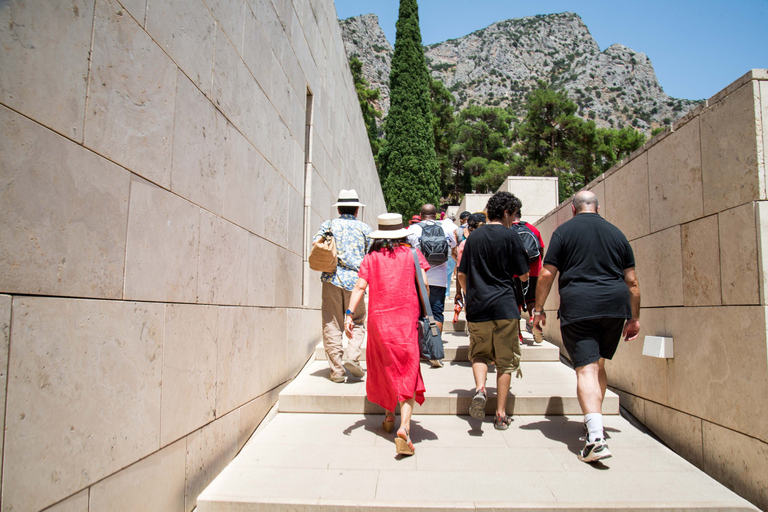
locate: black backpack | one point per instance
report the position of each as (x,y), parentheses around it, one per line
(530,242)
(434,246)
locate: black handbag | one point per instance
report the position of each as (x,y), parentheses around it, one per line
(430,342)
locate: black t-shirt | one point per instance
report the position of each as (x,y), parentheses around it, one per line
(591,255)
(492,255)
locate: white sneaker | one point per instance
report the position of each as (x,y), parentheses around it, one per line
(595,451)
(436,363)
(354,368)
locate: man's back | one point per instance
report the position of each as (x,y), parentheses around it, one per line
(437,275)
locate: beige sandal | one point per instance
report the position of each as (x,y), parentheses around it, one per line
(403,443)
(389,422)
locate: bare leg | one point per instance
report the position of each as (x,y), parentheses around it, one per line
(603,377)
(406,410)
(588,388)
(503,380)
(480,371)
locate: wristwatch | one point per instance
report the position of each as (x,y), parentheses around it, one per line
(538,312)
(348,312)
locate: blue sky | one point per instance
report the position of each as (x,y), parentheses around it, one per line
(697,47)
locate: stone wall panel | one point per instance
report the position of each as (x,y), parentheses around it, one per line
(761,209)
(229,14)
(729,151)
(189,370)
(659,268)
(243,183)
(262,269)
(45,61)
(680,431)
(76,503)
(738,256)
(5,345)
(239,374)
(131,101)
(701,262)
(674,170)
(64,212)
(163,246)
(223,262)
(155,483)
(626,194)
(83,395)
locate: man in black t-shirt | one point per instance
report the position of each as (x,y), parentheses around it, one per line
(599,302)
(492,257)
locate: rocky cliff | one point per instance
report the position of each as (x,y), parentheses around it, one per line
(500,64)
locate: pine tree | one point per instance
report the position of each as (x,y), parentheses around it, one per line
(409,172)
(367,98)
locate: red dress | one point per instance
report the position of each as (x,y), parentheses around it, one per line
(392,353)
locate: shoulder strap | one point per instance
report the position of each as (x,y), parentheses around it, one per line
(421,288)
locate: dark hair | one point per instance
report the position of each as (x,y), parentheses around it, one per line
(475,221)
(464,215)
(378,244)
(347,210)
(501,202)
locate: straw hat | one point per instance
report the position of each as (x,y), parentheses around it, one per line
(390,226)
(348,198)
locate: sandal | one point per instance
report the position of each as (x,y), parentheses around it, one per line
(502,422)
(403,443)
(389,422)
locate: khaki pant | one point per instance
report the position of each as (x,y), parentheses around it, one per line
(496,341)
(335,303)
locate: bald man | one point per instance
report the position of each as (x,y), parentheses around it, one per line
(599,303)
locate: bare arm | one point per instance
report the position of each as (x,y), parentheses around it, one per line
(357,295)
(461,277)
(632,327)
(543,286)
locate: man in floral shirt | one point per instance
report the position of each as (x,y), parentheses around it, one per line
(352,243)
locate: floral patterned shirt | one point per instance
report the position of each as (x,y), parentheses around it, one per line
(352,243)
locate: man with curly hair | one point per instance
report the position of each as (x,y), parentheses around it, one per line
(492,257)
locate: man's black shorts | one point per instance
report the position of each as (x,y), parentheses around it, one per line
(589,340)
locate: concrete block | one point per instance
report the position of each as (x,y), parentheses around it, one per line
(131,96)
(209,450)
(63,214)
(659,267)
(229,14)
(189,370)
(155,483)
(674,170)
(163,239)
(199,148)
(628,187)
(680,431)
(45,62)
(659,346)
(83,395)
(701,262)
(707,371)
(76,503)
(729,151)
(185,30)
(262,267)
(739,259)
(738,461)
(223,261)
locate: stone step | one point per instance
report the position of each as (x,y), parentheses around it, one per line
(546,388)
(343,462)
(456,346)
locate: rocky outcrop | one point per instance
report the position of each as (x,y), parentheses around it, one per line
(500,64)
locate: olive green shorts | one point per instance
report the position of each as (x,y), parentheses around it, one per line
(496,341)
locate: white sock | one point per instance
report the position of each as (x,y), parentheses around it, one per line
(594,423)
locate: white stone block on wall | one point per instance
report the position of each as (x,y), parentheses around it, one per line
(739,259)
(659,347)
(262,267)
(44,61)
(132,96)
(243,183)
(223,261)
(539,195)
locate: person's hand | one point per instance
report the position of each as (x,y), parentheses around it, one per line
(458,297)
(631,329)
(539,320)
(349,325)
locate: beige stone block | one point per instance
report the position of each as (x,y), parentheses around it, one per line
(737,461)
(185,31)
(274,348)
(763,154)
(137,9)
(83,395)
(131,96)
(659,268)
(288,279)
(598,188)
(714,363)
(729,164)
(163,238)
(262,269)
(209,450)
(76,503)
(674,170)
(189,370)
(5,344)
(199,143)
(762,247)
(223,261)
(739,259)
(155,483)
(295,226)
(243,190)
(631,371)
(276,197)
(701,262)
(64,212)
(627,198)
(45,61)
(254,413)
(230,15)
(634,404)
(680,431)
(257,53)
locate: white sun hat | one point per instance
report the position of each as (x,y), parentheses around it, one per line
(390,226)
(348,198)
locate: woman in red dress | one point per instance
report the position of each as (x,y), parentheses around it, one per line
(392,354)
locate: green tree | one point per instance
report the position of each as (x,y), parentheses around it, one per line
(367,98)
(408,166)
(444,132)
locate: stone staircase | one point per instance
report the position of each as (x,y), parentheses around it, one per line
(323,448)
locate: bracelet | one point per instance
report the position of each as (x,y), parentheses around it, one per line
(538,312)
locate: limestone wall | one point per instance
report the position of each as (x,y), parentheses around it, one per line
(539,194)
(693,204)
(153,231)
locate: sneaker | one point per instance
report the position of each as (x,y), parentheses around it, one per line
(436,363)
(477,407)
(529,327)
(538,336)
(354,368)
(502,422)
(520,337)
(337,378)
(595,451)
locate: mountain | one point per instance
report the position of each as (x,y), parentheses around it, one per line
(500,64)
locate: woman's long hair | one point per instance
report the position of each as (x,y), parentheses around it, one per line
(378,244)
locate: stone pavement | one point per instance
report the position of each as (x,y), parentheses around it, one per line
(323,448)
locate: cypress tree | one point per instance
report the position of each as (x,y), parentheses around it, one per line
(409,172)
